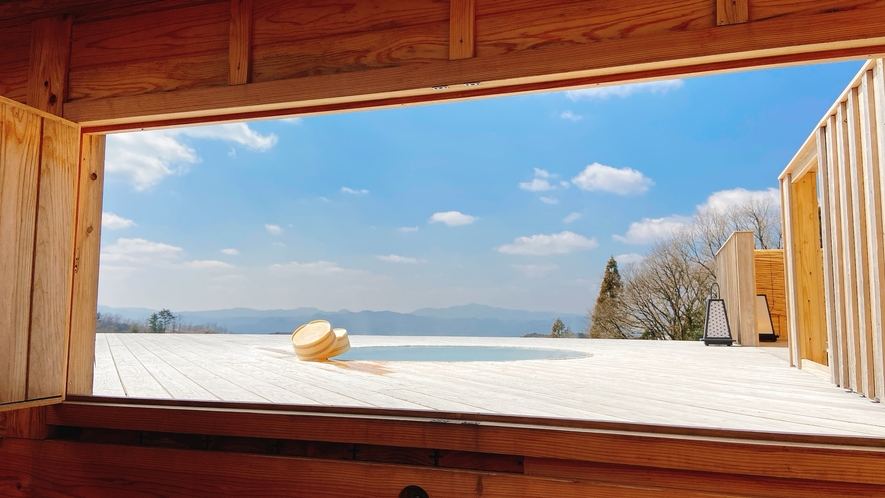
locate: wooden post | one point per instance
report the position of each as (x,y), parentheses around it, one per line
(792,328)
(461,26)
(240,41)
(84,297)
(828,250)
(49,63)
(732,12)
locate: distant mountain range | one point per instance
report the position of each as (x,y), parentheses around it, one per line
(466,320)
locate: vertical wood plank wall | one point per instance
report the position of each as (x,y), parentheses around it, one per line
(38,183)
(850,188)
(736,276)
(771,281)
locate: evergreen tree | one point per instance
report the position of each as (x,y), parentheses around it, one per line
(155,324)
(607,317)
(560,330)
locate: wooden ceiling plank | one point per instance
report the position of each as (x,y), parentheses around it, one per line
(802,39)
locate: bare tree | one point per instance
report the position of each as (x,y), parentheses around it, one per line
(665,293)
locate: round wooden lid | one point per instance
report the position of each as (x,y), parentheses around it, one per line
(312,338)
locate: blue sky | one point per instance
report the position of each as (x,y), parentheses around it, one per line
(514,202)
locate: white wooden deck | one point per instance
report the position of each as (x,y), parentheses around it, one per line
(672,383)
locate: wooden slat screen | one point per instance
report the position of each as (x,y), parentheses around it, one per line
(851,154)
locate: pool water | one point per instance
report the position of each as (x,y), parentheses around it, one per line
(456,353)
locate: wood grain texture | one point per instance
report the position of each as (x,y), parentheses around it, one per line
(809,282)
(87,244)
(835,220)
(53,255)
(875,263)
(877,121)
(49,64)
(240,41)
(14,59)
(506,27)
(60,467)
(701,482)
(847,233)
(771,281)
(28,423)
(462,20)
(833,346)
(799,37)
(860,256)
(149,52)
(767,457)
(19,176)
(731,12)
(735,274)
(793,342)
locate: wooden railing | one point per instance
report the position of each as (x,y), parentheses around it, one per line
(832,193)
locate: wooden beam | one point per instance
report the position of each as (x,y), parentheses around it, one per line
(87,245)
(240,41)
(28,423)
(461,29)
(860,256)
(793,341)
(702,482)
(802,458)
(50,60)
(732,12)
(871,149)
(674,52)
(834,360)
(834,195)
(874,160)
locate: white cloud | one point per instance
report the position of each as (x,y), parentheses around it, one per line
(393,258)
(536,185)
(407,229)
(145,158)
(279,244)
(543,173)
(622,181)
(452,218)
(569,115)
(650,230)
(139,251)
(626,259)
(549,200)
(295,121)
(535,270)
(315,268)
(238,133)
(273,229)
(725,199)
(348,190)
(571,217)
(564,184)
(111,221)
(230,252)
(544,245)
(604,92)
(206,264)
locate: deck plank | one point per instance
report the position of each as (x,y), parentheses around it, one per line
(650,382)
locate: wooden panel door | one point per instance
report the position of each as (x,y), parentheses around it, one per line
(39,166)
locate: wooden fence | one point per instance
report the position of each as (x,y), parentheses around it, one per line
(742,273)
(832,192)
